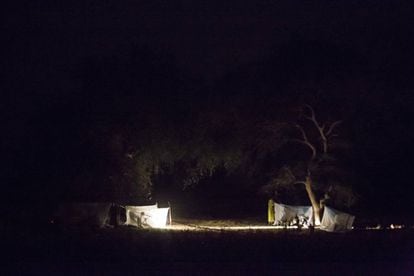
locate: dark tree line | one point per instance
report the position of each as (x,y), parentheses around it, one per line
(135,118)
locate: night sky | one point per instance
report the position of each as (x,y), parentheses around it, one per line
(207,40)
(361,50)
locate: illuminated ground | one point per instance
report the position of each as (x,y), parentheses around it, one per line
(253,225)
(206,247)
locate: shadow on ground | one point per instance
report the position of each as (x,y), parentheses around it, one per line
(127,250)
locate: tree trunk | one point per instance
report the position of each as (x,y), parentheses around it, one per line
(314,202)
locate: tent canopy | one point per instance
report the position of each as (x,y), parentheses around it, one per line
(99,214)
(149,216)
(286,214)
(336,221)
(83,214)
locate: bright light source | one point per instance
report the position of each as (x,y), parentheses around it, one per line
(157,218)
(396,226)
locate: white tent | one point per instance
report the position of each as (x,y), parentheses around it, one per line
(286,214)
(149,216)
(336,221)
(83,214)
(133,212)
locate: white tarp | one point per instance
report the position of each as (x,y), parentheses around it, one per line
(146,216)
(336,221)
(83,214)
(286,214)
(132,213)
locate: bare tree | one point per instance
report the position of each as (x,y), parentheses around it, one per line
(318,140)
(319,148)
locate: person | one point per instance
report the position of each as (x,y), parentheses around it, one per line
(142,220)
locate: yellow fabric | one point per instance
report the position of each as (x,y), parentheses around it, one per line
(270,211)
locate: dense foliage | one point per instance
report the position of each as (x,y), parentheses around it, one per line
(127,120)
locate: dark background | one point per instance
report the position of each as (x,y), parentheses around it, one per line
(69,66)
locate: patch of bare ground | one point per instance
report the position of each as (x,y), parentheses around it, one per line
(147,251)
(219,222)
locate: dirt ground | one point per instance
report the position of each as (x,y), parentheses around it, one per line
(200,251)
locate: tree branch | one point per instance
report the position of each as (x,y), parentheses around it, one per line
(313,149)
(312,112)
(306,141)
(321,129)
(305,138)
(331,128)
